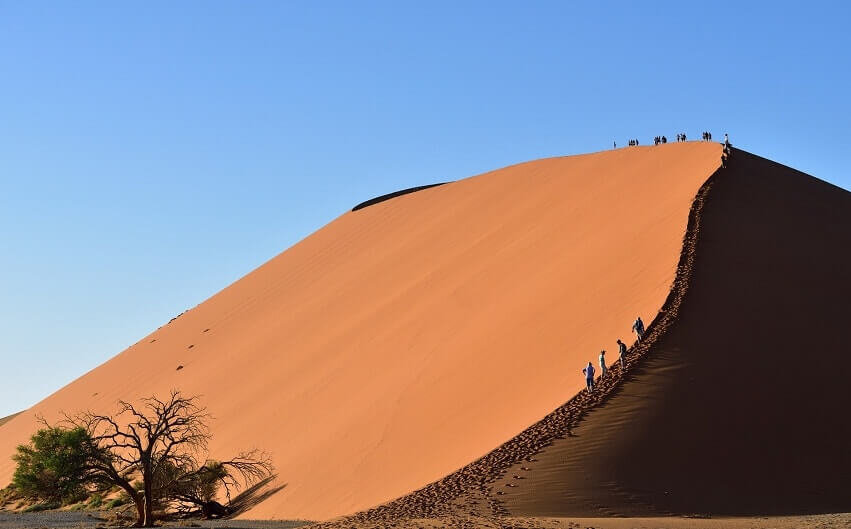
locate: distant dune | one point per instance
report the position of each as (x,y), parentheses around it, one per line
(406,339)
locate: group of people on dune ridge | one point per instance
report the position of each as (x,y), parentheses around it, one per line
(589,371)
(681,137)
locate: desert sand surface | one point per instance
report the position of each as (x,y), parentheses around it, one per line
(78,520)
(816,521)
(406,339)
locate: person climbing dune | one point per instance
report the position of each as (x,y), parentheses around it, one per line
(588,371)
(622,353)
(638,327)
(603,369)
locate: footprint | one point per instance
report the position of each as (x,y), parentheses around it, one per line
(152,341)
(179,368)
(205,330)
(191,346)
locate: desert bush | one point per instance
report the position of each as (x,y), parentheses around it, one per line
(117,502)
(43,506)
(51,468)
(95,501)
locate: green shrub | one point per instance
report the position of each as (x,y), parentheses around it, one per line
(117,502)
(80,497)
(95,501)
(51,468)
(44,506)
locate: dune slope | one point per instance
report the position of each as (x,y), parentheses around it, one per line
(741,407)
(7,418)
(406,339)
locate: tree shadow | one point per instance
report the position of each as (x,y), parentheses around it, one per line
(254,495)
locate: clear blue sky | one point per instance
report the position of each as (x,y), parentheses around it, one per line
(153,152)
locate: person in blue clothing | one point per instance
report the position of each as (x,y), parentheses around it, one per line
(638,327)
(588,371)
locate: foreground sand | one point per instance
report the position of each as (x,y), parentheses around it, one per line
(818,521)
(78,520)
(406,339)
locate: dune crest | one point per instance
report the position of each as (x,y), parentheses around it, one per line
(408,338)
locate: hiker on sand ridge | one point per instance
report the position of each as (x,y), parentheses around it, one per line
(638,327)
(622,353)
(588,371)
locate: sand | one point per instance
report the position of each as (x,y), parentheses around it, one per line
(8,418)
(820,521)
(406,339)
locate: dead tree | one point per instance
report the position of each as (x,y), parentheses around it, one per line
(164,442)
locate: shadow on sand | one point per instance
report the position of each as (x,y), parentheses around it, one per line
(388,196)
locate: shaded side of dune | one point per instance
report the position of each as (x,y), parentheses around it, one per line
(742,406)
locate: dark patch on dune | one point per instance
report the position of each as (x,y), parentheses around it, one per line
(388,196)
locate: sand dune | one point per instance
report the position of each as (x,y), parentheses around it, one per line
(408,338)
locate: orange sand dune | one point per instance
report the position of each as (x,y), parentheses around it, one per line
(406,339)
